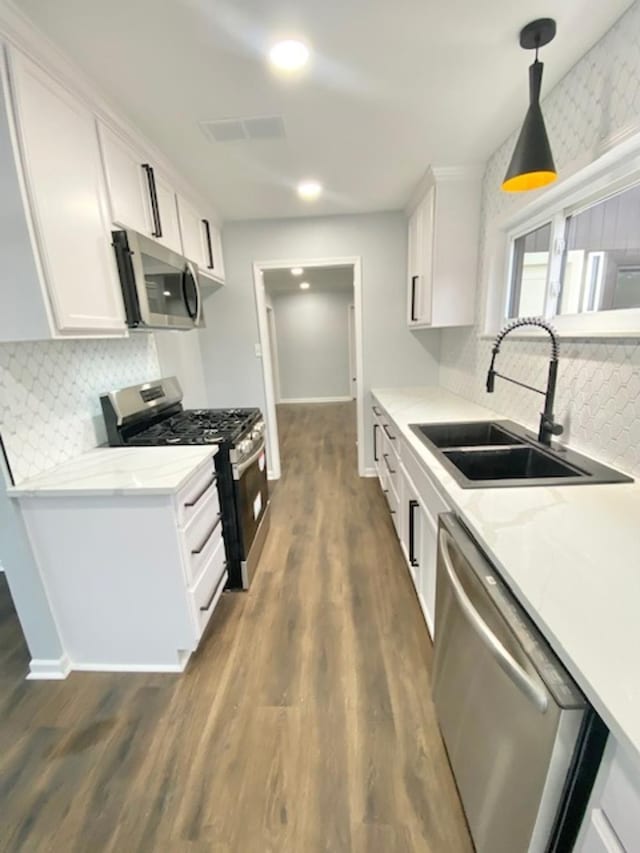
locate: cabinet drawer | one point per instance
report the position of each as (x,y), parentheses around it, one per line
(620,801)
(391,465)
(600,837)
(202,535)
(431,497)
(196,491)
(208,588)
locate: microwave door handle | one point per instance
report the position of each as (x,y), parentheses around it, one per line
(194,273)
(239,469)
(505,661)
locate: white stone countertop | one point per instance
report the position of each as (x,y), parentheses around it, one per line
(571,555)
(119,470)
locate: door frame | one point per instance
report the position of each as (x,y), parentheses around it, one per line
(273,442)
(351,324)
(273,349)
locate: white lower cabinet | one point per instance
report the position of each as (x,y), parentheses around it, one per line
(612,822)
(132,579)
(415,505)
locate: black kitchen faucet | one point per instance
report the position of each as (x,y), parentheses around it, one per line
(548,427)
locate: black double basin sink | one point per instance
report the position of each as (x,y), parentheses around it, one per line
(485,454)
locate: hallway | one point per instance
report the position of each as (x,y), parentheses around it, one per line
(304,722)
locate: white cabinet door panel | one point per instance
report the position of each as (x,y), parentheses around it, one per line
(168,213)
(63,173)
(599,837)
(126,182)
(192,231)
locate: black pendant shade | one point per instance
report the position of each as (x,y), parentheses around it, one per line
(532,163)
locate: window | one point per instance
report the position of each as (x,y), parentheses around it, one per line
(529,273)
(584,260)
(602,256)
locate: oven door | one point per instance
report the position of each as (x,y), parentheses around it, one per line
(160,287)
(252,507)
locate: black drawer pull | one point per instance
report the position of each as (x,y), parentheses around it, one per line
(376,411)
(153,198)
(207,228)
(389,435)
(200,494)
(207,537)
(413,505)
(215,590)
(414,279)
(386,462)
(375,443)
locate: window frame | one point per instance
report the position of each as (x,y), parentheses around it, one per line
(614,172)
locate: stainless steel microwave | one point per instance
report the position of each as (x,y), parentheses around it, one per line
(160,288)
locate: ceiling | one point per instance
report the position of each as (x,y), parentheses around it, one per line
(320,278)
(392,87)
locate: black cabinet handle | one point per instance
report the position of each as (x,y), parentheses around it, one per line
(206,539)
(376,411)
(375,443)
(207,228)
(215,590)
(153,198)
(389,435)
(414,279)
(386,462)
(413,505)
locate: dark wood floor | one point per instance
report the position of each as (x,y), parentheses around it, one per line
(304,723)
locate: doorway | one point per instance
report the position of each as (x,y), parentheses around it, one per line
(298,364)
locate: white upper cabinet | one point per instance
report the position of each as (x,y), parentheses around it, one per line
(192,230)
(59,272)
(126,182)
(443,248)
(201,239)
(141,197)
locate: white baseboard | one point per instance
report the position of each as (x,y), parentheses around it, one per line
(55,669)
(370,472)
(131,667)
(315,400)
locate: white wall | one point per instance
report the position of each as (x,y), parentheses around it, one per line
(393,356)
(179,355)
(599,382)
(312,333)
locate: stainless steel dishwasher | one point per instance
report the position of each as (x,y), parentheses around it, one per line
(523,742)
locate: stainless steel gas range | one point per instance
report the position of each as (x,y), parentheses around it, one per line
(152,414)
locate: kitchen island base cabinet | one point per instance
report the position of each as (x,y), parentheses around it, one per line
(132,584)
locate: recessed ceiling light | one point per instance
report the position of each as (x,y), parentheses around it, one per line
(166,292)
(304,285)
(296,270)
(309,190)
(289,55)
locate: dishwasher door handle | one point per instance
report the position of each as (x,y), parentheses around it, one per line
(505,661)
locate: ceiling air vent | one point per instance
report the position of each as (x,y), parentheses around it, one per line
(236,129)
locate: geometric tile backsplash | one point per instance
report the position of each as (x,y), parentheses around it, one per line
(49,395)
(598,395)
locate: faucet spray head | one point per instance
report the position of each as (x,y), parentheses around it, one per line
(491,375)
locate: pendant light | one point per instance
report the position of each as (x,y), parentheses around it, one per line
(532,163)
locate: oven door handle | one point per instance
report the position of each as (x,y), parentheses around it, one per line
(241,467)
(507,663)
